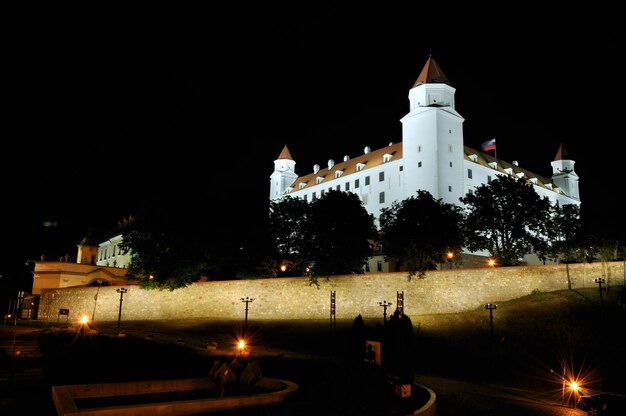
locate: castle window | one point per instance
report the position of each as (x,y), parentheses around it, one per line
(379,265)
(356,183)
(401,168)
(488,178)
(419,148)
(367,267)
(367,180)
(322,192)
(381,198)
(306,198)
(338,187)
(450,131)
(313,197)
(450,164)
(381,176)
(449,148)
(347,186)
(419,164)
(469,174)
(449,188)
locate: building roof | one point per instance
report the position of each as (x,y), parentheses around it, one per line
(561,154)
(431,73)
(393,152)
(284,154)
(365,161)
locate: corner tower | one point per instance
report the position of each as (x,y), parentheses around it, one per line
(432,138)
(563,174)
(284,174)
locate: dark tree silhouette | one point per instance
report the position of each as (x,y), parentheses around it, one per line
(508,219)
(419,230)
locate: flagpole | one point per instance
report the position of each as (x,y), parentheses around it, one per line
(495,151)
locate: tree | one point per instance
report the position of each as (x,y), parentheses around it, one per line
(287,233)
(508,219)
(171,249)
(566,244)
(339,231)
(419,230)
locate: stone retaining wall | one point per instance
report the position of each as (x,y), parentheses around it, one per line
(442,291)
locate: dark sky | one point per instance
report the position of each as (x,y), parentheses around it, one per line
(113,107)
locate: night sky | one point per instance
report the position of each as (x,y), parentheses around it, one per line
(111,108)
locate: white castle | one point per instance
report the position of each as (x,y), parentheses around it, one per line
(432,157)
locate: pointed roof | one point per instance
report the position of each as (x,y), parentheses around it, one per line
(431,73)
(561,154)
(284,154)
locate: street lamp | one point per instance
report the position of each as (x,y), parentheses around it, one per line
(121,291)
(491,307)
(385,305)
(247,300)
(600,281)
(95,299)
(450,256)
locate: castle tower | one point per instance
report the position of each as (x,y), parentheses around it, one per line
(87,250)
(563,174)
(432,138)
(284,174)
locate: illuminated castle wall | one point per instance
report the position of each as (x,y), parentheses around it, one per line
(442,291)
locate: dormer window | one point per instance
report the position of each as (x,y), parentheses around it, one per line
(533,180)
(549,185)
(319,180)
(494,165)
(520,174)
(473,157)
(360,166)
(338,174)
(509,171)
(301,185)
(387,157)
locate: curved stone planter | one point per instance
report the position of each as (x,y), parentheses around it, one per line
(65,397)
(430,407)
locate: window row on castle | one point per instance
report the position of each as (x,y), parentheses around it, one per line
(338,174)
(104,253)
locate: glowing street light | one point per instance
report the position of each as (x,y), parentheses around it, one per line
(450,256)
(491,262)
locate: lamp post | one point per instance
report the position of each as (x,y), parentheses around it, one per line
(95,299)
(385,305)
(600,281)
(121,291)
(491,307)
(450,256)
(247,300)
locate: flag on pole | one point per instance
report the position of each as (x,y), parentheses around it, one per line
(489,145)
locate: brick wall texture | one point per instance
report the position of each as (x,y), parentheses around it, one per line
(441,291)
